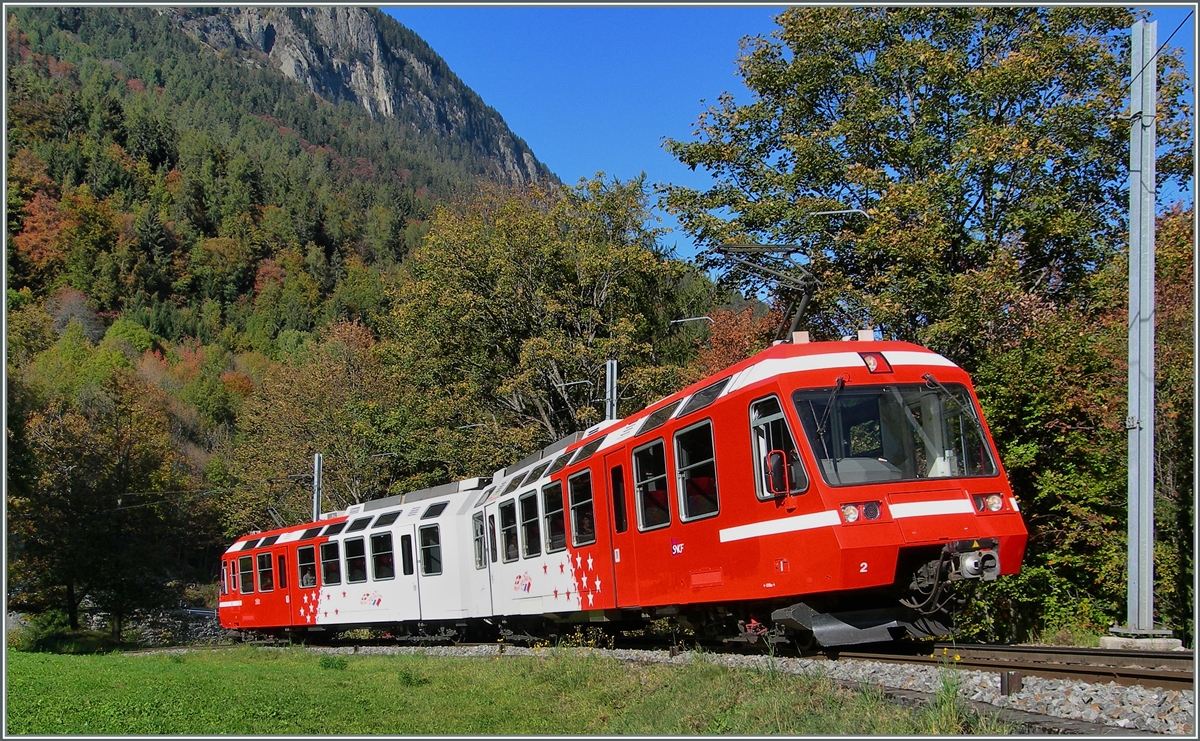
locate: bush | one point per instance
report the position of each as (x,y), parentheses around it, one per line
(332,662)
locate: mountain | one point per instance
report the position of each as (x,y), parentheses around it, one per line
(236,173)
(362,56)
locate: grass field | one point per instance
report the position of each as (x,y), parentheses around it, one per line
(255,691)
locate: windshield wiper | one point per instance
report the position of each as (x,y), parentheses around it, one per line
(969,408)
(841,384)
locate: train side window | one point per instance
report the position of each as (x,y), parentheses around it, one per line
(233,576)
(508,530)
(224,577)
(530,531)
(620,521)
(769,432)
(650,486)
(383,565)
(477,538)
(306,563)
(492,537)
(331,564)
(697,472)
(356,561)
(431,550)
(556,527)
(282,571)
(246,567)
(583,513)
(266,580)
(406,554)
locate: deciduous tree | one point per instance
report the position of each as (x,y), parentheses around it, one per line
(960,132)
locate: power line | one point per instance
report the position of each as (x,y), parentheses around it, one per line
(1162,46)
(188,492)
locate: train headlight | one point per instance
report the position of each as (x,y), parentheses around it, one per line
(871,510)
(849,512)
(987,503)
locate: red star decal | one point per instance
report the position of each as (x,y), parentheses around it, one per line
(327,613)
(335,611)
(555,594)
(545,568)
(560,568)
(343,594)
(568,594)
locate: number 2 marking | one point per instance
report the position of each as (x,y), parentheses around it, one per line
(862,567)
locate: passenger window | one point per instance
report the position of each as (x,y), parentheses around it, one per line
(620,521)
(769,432)
(246,566)
(383,566)
(359,524)
(331,564)
(531,533)
(556,527)
(406,554)
(477,537)
(650,485)
(356,561)
(224,577)
(306,561)
(282,572)
(697,472)
(431,550)
(492,536)
(583,515)
(704,397)
(508,530)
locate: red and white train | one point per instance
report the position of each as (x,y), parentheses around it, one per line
(834,491)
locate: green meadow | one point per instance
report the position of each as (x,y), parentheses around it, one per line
(257,691)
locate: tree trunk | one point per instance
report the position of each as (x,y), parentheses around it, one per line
(72,607)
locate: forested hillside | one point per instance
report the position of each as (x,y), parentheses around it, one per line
(216,271)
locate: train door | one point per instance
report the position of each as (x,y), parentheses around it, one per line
(492,555)
(588,502)
(305,591)
(408,587)
(623,537)
(283,584)
(438,570)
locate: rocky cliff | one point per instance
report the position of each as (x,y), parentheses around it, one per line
(363,56)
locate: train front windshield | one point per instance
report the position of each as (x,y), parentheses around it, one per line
(869,434)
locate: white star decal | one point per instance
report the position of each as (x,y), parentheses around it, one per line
(306,599)
(589,600)
(589,562)
(578,561)
(597,584)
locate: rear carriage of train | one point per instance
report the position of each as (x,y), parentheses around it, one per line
(384,563)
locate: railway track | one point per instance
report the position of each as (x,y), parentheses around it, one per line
(1172,670)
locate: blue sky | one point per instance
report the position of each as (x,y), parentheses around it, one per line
(595,89)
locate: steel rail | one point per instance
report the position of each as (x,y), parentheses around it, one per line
(1173,670)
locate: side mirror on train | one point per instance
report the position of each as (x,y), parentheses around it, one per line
(777,469)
